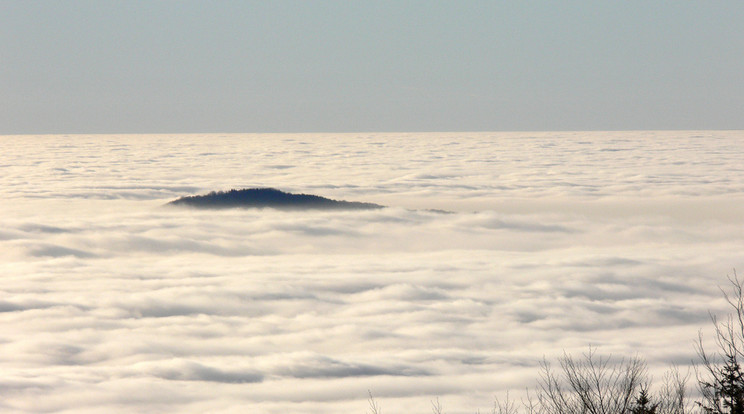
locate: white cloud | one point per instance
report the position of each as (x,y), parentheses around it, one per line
(111,302)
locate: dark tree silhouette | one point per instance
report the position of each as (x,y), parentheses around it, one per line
(720,379)
(643,404)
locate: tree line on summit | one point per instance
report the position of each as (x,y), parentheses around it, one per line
(268,198)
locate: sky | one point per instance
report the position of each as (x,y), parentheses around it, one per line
(345,66)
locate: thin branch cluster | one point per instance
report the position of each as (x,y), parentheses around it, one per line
(596,384)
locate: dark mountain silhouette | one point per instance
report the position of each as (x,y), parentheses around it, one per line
(268,198)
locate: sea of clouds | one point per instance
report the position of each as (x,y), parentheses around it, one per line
(552,242)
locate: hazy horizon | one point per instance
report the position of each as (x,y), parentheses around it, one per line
(272,133)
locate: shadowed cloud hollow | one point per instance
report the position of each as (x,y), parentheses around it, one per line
(269,198)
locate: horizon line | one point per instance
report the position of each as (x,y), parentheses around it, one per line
(368,132)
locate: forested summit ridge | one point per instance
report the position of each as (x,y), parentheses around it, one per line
(269,198)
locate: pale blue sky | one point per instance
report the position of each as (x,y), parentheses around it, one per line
(314,66)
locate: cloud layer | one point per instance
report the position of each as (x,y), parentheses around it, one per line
(558,241)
